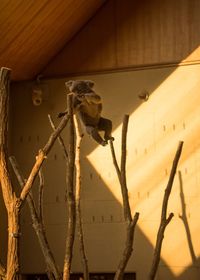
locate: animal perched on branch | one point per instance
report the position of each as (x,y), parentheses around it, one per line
(88,105)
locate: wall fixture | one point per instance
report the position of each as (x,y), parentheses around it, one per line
(37,92)
(144,95)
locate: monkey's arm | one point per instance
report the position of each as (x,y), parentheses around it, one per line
(76,106)
(90,98)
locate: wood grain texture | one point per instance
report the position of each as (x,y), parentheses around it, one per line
(131,33)
(33,32)
(39,36)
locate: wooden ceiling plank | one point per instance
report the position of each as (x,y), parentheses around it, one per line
(103,36)
(6,11)
(53,46)
(37,28)
(35,32)
(65,33)
(19,22)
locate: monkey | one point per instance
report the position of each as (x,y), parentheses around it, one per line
(88,106)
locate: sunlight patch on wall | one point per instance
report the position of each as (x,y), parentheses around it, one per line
(171,114)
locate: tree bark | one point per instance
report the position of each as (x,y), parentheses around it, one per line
(11,201)
(127,209)
(38,225)
(60,139)
(164,220)
(13,267)
(79,137)
(71,223)
(130,229)
(2,270)
(184,219)
(130,222)
(42,155)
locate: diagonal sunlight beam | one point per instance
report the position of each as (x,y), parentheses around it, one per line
(171,114)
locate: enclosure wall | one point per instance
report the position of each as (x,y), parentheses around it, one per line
(156,126)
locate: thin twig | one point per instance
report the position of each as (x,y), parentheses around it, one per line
(42,154)
(22,182)
(115,160)
(164,219)
(40,196)
(37,224)
(60,139)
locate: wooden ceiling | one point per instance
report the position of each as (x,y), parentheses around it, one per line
(33,32)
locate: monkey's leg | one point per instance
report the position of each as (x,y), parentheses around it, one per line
(106,126)
(95,135)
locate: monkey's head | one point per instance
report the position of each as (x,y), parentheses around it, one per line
(80,87)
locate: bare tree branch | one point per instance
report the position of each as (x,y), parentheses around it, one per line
(4,110)
(131,222)
(164,219)
(71,223)
(40,196)
(184,219)
(128,247)
(37,225)
(42,156)
(11,201)
(22,181)
(127,209)
(79,137)
(60,139)
(115,160)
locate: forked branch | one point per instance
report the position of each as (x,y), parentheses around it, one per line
(131,222)
(38,223)
(41,157)
(12,202)
(164,219)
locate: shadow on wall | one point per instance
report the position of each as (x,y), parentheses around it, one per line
(171,114)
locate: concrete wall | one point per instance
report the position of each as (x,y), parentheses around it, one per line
(171,114)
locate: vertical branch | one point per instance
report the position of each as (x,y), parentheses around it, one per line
(127,210)
(184,219)
(10,199)
(70,195)
(130,230)
(38,225)
(164,219)
(171,180)
(131,222)
(12,203)
(40,196)
(4,108)
(78,205)
(115,161)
